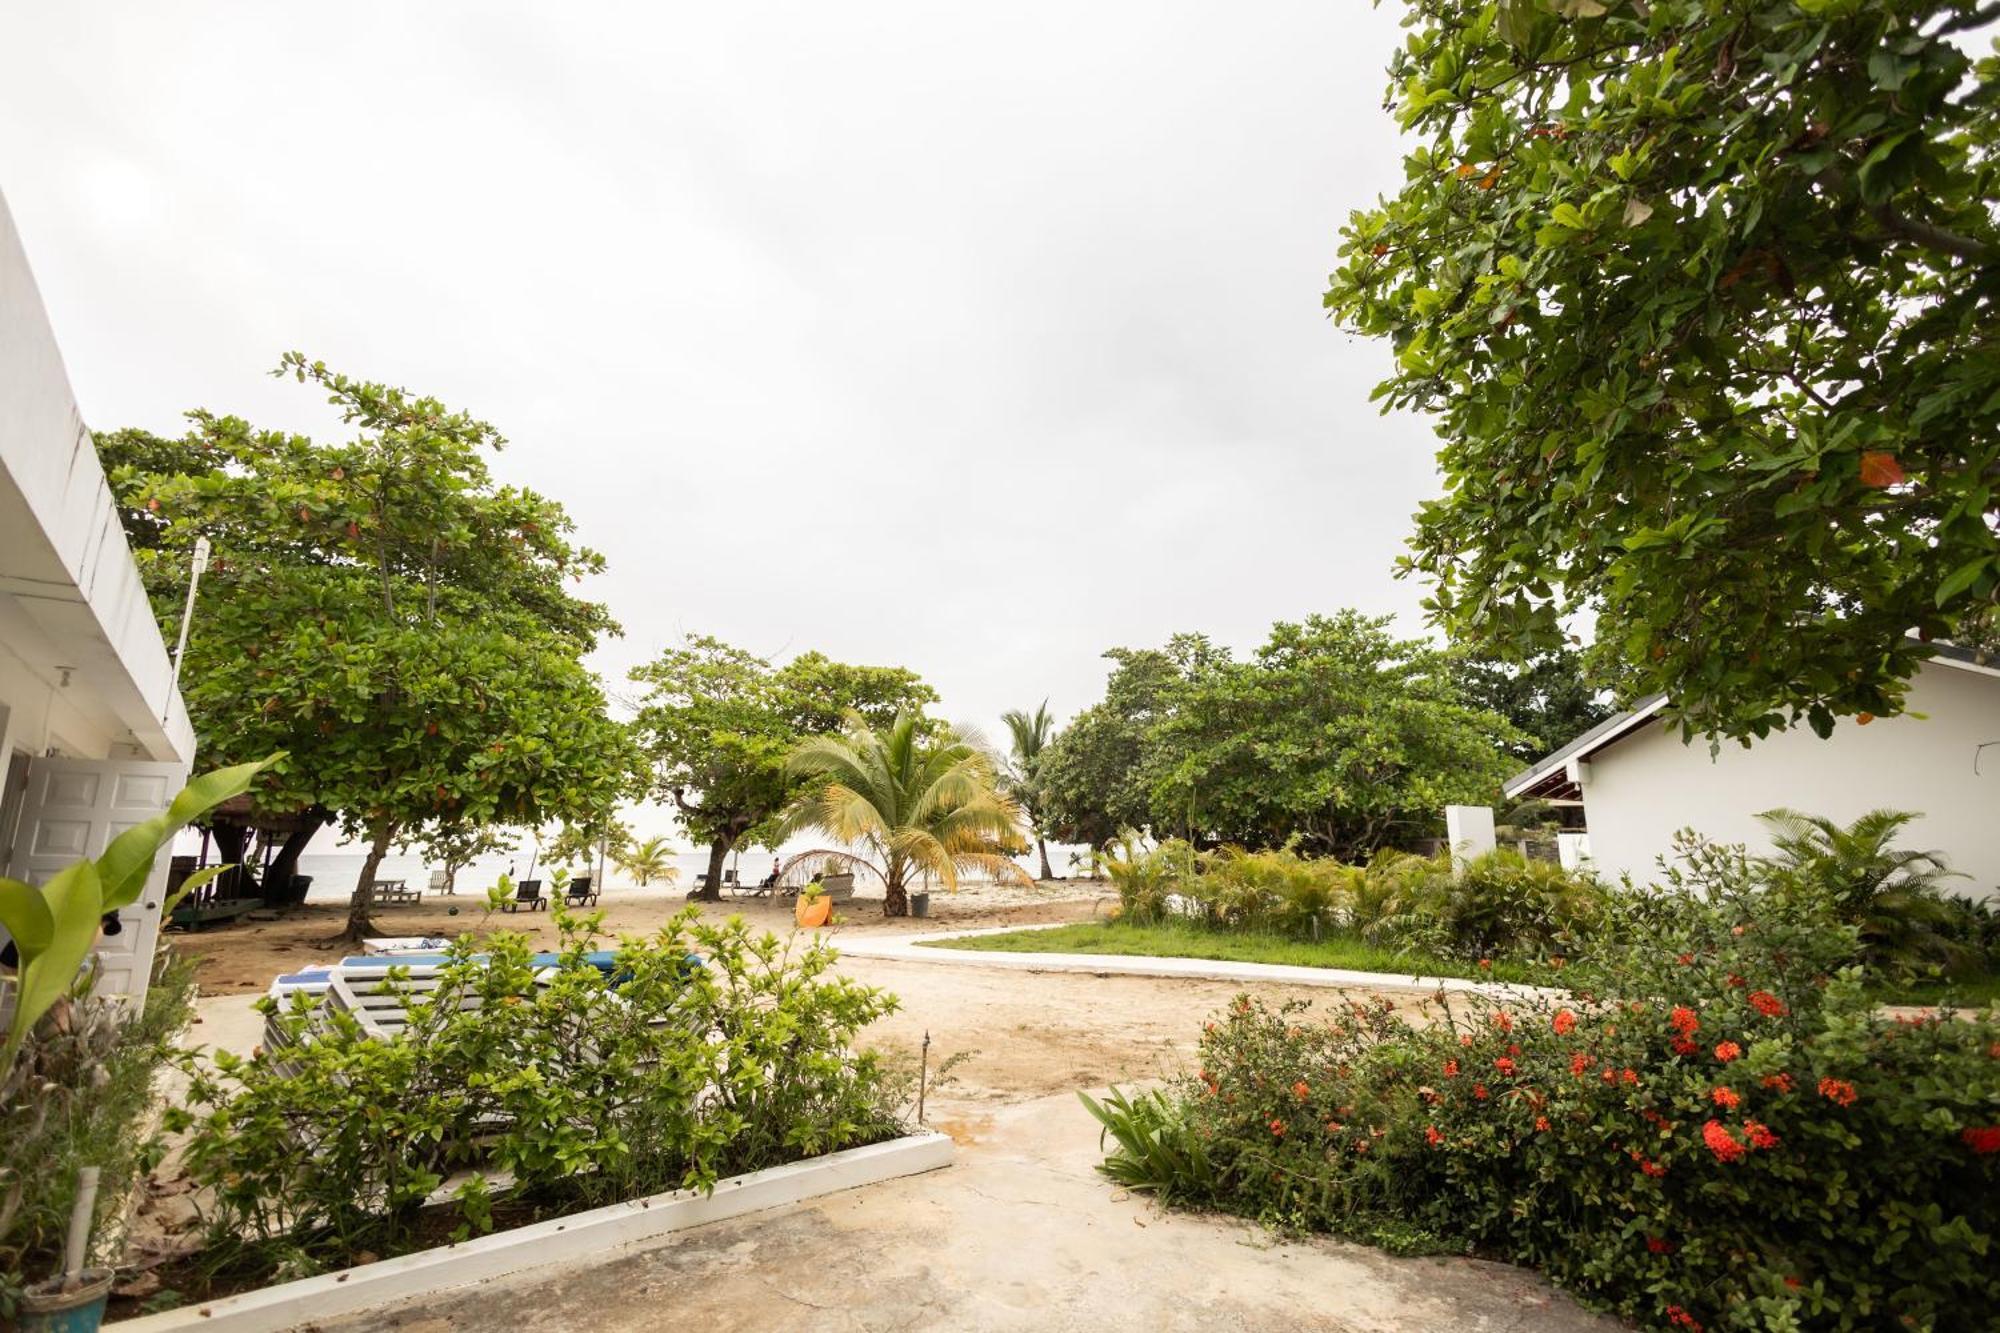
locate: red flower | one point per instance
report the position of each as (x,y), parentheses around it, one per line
(1838,1091)
(1686,960)
(1721,1142)
(1451,1069)
(1486,965)
(1610,1075)
(1431,1135)
(1725,1096)
(1465,1039)
(1655,1245)
(1678,1316)
(1766,1003)
(1542,1123)
(1504,1064)
(1479,1092)
(1300,1090)
(1277,1129)
(1727,1051)
(1793,1281)
(1564,1022)
(1578,1063)
(1628,1077)
(1778,1082)
(1759,1134)
(1683,1020)
(1736,982)
(1682,1046)
(1982,1139)
(1504,1021)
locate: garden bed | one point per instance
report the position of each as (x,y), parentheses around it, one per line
(556,1240)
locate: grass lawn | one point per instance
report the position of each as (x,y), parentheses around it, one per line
(1188,941)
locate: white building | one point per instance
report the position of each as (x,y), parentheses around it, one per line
(1638,783)
(93,734)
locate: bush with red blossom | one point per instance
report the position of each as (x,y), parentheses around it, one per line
(1809,1162)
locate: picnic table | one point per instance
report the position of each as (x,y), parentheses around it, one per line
(392,891)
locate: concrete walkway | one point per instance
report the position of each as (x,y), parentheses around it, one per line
(922,949)
(1020,1234)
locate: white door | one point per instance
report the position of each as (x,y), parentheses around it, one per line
(72,811)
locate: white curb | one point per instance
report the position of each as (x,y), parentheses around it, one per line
(912,949)
(592,1235)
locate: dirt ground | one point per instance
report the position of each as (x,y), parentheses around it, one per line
(243,957)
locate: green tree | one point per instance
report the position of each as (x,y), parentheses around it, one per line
(1701,299)
(1030,734)
(647,861)
(1336,734)
(718,724)
(384,612)
(925,801)
(455,846)
(583,841)
(1091,778)
(1549,699)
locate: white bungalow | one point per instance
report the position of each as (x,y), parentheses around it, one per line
(1638,783)
(93,734)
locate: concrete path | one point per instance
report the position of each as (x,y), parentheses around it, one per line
(922,949)
(1020,1234)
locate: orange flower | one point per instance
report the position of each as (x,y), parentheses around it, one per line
(1479,1092)
(1721,1142)
(1683,1020)
(1504,1064)
(1542,1123)
(1504,1021)
(1726,1096)
(1759,1134)
(1727,1051)
(1838,1091)
(1766,1003)
(1451,1069)
(1300,1090)
(1431,1135)
(1564,1022)
(1578,1063)
(1777,1082)
(1277,1129)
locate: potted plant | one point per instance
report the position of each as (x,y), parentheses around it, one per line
(73,1300)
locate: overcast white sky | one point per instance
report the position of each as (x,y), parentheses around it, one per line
(970,340)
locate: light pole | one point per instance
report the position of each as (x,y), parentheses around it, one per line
(201,549)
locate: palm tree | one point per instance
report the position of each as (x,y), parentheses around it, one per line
(922,804)
(1031,733)
(1894,896)
(650,860)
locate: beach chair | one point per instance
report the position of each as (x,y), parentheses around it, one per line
(389,892)
(440,881)
(528,894)
(581,892)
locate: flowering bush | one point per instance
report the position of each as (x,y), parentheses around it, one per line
(1714,1130)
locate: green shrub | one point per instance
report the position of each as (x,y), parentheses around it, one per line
(1717,1129)
(78,1095)
(583,1090)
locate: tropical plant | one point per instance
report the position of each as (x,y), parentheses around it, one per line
(55,926)
(1660,1144)
(383,611)
(690,1072)
(717,725)
(649,860)
(1892,896)
(922,804)
(1030,734)
(1699,297)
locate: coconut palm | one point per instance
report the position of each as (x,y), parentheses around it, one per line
(650,860)
(1032,733)
(921,801)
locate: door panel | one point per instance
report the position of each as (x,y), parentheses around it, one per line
(73,808)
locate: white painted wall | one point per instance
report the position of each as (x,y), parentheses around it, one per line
(1646,786)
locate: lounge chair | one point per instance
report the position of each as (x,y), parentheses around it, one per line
(528,894)
(581,892)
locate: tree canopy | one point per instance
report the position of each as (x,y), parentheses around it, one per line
(1334,733)
(718,724)
(382,611)
(1550,699)
(1701,297)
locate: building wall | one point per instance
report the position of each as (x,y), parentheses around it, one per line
(1646,786)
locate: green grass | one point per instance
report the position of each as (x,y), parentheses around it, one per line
(1190,941)
(1976,992)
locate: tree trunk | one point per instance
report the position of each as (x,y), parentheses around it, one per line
(710,888)
(895,902)
(278,889)
(1042,846)
(359,924)
(232,847)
